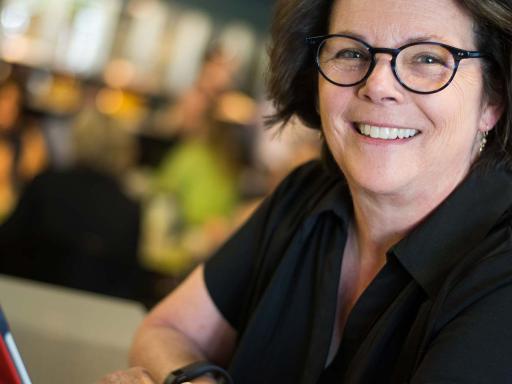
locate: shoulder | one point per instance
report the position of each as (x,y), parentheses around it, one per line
(305,186)
(468,335)
(250,257)
(480,282)
(312,173)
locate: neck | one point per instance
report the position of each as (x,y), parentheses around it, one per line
(377,227)
(381,220)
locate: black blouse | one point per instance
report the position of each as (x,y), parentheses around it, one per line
(439,311)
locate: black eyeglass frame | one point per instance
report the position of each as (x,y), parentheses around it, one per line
(457,53)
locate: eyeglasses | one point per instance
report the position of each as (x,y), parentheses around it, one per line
(422,67)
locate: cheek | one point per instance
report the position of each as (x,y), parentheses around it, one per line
(455,121)
(454,112)
(332,104)
(467,99)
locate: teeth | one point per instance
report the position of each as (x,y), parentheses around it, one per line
(385,133)
(394,133)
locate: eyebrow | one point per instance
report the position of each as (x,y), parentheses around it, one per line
(416,39)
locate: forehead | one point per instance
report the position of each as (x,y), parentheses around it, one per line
(392,22)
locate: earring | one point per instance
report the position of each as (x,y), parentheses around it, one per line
(483,141)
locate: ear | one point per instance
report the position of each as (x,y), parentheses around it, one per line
(491,113)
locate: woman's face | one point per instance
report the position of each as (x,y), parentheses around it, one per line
(448,124)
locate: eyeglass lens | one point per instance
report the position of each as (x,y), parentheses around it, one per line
(421,67)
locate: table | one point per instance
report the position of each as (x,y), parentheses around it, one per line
(68,336)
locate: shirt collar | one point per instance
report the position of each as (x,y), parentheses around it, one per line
(458,225)
(335,198)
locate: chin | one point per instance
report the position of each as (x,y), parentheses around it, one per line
(378,180)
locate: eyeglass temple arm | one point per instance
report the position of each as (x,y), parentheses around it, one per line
(313,40)
(469,54)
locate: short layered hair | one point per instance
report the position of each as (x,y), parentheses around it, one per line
(293,77)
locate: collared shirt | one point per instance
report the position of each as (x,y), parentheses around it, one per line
(439,311)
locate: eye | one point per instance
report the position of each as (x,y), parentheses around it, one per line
(428,59)
(350,54)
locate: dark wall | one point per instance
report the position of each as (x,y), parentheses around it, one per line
(255,12)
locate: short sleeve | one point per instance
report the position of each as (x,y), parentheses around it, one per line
(228,273)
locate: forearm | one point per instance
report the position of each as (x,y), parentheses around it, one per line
(161,349)
(184,328)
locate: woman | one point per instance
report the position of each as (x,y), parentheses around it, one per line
(396,265)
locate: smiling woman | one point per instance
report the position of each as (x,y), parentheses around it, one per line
(391,260)
(447,123)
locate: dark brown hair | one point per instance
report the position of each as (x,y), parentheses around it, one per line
(292,81)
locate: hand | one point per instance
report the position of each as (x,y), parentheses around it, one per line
(136,375)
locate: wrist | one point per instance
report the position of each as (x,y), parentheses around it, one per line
(200,372)
(206,379)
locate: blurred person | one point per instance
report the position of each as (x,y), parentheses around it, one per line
(190,113)
(206,159)
(23,147)
(192,109)
(76,227)
(199,176)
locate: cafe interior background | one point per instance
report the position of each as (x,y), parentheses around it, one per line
(132,138)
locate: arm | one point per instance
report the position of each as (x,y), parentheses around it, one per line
(185,327)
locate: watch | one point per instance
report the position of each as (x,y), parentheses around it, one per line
(197,369)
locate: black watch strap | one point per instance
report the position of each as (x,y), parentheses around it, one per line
(197,369)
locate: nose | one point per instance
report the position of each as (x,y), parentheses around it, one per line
(382,87)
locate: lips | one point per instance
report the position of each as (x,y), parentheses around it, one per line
(385,133)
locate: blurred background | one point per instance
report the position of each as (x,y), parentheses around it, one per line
(132,140)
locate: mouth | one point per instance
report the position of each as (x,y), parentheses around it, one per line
(385,133)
